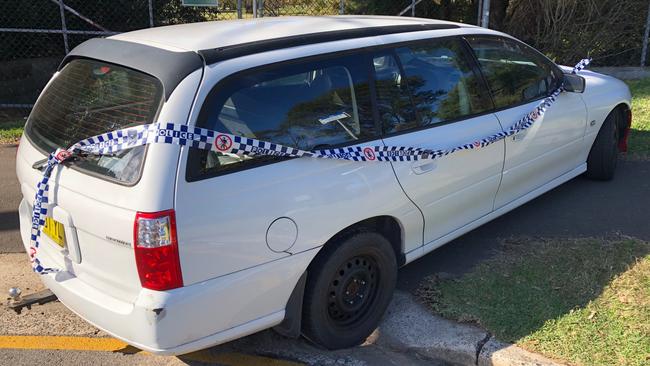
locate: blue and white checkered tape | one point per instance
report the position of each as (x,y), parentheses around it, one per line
(201,138)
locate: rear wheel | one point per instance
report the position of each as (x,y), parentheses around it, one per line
(603,157)
(348,289)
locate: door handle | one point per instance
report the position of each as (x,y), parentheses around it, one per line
(519,136)
(422,167)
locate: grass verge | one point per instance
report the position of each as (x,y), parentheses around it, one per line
(639,144)
(10,132)
(585,301)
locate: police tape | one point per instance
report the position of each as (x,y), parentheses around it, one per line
(205,139)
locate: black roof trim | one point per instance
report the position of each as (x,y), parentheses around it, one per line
(167,66)
(213,55)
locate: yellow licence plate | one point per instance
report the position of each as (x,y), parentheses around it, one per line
(55,231)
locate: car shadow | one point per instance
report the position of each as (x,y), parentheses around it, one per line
(578,208)
(9,220)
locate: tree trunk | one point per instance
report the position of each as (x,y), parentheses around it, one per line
(498,13)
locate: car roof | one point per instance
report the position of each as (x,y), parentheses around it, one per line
(224,33)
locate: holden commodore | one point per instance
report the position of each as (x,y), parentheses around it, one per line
(173,249)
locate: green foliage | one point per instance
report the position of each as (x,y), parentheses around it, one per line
(610,31)
(586,301)
(639,143)
(10,132)
(566,30)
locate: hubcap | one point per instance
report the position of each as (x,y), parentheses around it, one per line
(352,290)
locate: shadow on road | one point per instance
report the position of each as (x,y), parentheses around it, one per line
(578,208)
(9,221)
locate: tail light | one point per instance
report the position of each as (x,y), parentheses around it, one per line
(156,250)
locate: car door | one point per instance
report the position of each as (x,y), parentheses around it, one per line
(234,212)
(519,78)
(430,96)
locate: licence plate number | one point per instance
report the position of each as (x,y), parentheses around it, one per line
(55,231)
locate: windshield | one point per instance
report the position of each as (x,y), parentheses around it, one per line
(91,97)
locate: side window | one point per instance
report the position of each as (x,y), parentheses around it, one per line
(442,83)
(308,105)
(516,73)
(394,102)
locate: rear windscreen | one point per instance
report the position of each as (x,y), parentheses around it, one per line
(88,98)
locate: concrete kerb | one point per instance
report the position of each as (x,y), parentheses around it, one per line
(410,327)
(624,73)
(495,353)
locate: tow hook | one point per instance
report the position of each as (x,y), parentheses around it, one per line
(18,302)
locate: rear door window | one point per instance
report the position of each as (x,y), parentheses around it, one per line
(394,102)
(307,105)
(442,82)
(91,97)
(516,73)
(427,83)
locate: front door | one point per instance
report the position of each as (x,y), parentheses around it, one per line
(430,97)
(519,78)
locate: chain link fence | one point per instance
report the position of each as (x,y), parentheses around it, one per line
(35,35)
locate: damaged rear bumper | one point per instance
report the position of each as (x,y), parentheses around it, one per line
(192,317)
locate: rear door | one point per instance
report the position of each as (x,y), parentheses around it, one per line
(519,78)
(430,96)
(235,212)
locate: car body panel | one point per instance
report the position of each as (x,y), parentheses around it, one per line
(235,217)
(456,189)
(548,149)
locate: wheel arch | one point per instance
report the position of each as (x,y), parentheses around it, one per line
(385,225)
(624,124)
(388,226)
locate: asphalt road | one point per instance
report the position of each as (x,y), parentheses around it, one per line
(9,200)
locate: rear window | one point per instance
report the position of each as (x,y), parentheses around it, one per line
(88,98)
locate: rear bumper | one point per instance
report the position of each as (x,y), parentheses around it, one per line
(158,322)
(188,318)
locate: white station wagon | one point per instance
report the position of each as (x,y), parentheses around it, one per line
(174,249)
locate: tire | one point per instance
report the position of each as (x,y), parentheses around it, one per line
(349,287)
(603,157)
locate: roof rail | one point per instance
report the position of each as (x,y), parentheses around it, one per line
(213,55)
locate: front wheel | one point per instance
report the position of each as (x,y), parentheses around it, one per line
(603,157)
(349,287)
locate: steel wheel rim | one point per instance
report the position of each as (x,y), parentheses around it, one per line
(352,290)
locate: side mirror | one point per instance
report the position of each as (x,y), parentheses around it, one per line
(574,83)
